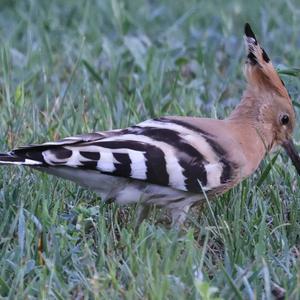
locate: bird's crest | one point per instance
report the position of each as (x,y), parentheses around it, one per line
(259,70)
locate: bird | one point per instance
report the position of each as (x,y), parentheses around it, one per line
(175,162)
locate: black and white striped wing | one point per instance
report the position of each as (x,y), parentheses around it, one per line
(162,151)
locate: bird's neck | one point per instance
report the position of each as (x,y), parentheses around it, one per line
(249,113)
(247,110)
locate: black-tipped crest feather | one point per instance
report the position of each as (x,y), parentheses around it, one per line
(249,32)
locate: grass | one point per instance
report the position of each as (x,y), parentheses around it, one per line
(68,67)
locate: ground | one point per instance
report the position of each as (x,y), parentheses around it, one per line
(69,67)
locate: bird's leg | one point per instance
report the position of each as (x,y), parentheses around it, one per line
(178,216)
(142,214)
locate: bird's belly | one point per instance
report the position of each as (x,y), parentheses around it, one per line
(123,190)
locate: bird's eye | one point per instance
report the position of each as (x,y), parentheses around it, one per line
(284,119)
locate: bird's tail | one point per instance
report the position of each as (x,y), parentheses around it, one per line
(11,158)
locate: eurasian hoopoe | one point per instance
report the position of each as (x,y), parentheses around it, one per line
(172,161)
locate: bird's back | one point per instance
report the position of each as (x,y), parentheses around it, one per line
(182,153)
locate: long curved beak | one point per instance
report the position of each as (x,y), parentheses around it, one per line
(291,151)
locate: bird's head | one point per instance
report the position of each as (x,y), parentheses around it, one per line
(266,100)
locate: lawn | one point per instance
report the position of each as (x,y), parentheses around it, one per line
(70,67)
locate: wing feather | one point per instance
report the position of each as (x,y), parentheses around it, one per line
(162,151)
